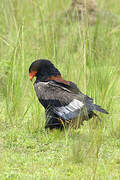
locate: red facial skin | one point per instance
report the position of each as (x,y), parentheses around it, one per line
(32,74)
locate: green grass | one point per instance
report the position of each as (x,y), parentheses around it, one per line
(86,55)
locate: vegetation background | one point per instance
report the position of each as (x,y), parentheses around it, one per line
(87,55)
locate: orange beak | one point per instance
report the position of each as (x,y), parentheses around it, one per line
(32,74)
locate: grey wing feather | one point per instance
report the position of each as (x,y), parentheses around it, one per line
(70,111)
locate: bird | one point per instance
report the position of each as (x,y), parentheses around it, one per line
(63,101)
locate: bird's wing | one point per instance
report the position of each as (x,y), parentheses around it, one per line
(54,92)
(60,99)
(65,102)
(74,89)
(87,100)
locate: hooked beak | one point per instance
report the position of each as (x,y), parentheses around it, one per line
(32,74)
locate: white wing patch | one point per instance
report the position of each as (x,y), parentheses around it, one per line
(71,110)
(75,104)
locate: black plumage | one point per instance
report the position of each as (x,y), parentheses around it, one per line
(62,100)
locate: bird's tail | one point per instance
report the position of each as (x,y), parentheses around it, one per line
(98,108)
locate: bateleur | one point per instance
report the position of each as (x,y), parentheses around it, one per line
(64,103)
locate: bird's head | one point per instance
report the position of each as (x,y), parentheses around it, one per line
(42,69)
